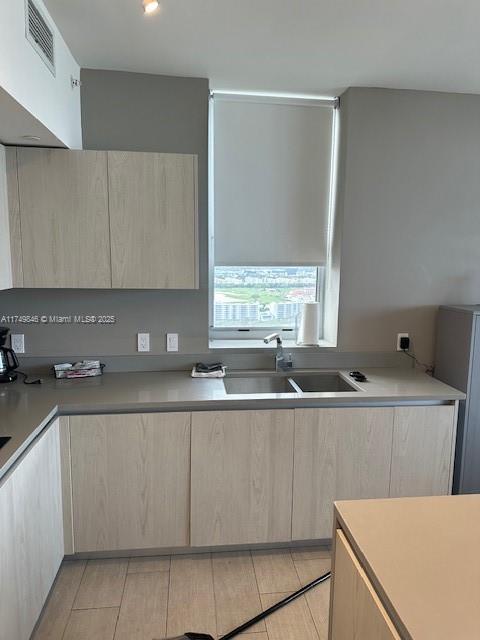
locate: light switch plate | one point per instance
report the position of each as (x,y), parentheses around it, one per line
(143,342)
(172,341)
(18,342)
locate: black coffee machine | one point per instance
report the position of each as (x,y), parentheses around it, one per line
(8,359)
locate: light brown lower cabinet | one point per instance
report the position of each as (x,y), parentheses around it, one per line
(31,535)
(130,481)
(141,481)
(242,466)
(356,610)
(339,454)
(422,451)
(353,453)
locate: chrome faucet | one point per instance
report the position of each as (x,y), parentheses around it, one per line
(283,361)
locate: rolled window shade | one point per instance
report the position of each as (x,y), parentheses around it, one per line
(272,169)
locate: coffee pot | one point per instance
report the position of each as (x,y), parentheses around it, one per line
(8,359)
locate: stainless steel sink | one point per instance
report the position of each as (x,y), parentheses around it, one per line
(259,383)
(322,382)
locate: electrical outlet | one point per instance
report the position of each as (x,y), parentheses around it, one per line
(399,336)
(18,342)
(172,341)
(143,342)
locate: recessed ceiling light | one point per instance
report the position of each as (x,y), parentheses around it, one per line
(149,6)
(33,138)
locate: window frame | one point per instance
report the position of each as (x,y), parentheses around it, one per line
(327,287)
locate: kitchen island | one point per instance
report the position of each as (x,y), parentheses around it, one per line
(407,569)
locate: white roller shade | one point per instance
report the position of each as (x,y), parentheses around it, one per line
(272,168)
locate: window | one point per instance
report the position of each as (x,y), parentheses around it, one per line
(272,202)
(263,297)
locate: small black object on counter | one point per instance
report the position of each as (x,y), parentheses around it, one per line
(358,376)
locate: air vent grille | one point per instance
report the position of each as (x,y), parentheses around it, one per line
(40,35)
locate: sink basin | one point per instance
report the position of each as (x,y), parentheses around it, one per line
(322,382)
(258,384)
(255,383)
(4,440)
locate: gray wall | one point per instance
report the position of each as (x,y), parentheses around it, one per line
(410,199)
(411,214)
(135,112)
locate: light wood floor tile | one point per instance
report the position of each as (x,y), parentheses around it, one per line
(293,622)
(57,610)
(191,603)
(318,599)
(275,571)
(91,624)
(149,564)
(308,570)
(102,584)
(143,613)
(201,592)
(310,553)
(236,591)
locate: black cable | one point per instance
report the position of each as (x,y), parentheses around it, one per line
(27,381)
(429,368)
(275,607)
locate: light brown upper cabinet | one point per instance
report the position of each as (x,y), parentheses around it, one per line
(98,219)
(153,220)
(63,204)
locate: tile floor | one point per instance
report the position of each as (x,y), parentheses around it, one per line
(157,597)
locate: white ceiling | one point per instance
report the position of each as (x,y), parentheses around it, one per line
(300,45)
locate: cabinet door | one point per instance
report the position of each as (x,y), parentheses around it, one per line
(241,477)
(153,220)
(6,274)
(340,454)
(423,438)
(130,481)
(356,612)
(31,536)
(64,218)
(9,601)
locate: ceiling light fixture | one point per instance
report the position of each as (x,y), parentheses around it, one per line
(149,6)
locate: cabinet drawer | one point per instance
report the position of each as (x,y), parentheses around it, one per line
(356,611)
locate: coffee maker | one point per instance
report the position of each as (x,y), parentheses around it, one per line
(8,359)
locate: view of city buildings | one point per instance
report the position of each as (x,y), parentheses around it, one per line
(262,296)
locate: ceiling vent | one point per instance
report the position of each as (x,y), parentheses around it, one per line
(39,34)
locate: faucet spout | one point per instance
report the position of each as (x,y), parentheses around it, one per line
(272,336)
(282,362)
